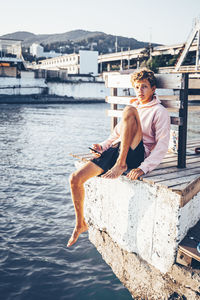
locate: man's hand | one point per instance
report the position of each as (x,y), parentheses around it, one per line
(98,148)
(135,173)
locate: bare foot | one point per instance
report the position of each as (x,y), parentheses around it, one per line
(115,172)
(77,231)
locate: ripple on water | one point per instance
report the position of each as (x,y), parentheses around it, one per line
(36,212)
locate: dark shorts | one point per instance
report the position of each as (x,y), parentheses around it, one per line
(109,157)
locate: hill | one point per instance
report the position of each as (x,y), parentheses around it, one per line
(75,40)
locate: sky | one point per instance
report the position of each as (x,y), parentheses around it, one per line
(165,22)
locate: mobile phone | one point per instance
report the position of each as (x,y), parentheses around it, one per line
(94,150)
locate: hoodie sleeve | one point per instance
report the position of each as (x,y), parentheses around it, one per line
(161,126)
(115,135)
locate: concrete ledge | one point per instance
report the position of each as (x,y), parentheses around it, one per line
(142,280)
(141,218)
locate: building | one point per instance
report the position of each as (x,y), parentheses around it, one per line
(86,62)
(38,51)
(11,60)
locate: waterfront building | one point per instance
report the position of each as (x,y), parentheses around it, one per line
(11,60)
(85,62)
(38,51)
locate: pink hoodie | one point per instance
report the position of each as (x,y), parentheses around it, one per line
(155,124)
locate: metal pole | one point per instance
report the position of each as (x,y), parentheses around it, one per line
(183,113)
(128,58)
(121,59)
(197,51)
(101,64)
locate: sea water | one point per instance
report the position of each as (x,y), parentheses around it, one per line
(36,211)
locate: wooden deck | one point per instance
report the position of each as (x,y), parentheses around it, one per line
(185,182)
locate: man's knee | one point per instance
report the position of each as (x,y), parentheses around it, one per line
(130,112)
(75,179)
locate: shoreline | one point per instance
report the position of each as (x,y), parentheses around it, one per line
(45,99)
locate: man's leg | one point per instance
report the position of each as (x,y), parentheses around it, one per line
(77,180)
(131,135)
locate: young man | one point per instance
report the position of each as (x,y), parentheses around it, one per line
(138,142)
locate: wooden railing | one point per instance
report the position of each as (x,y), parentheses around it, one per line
(176,101)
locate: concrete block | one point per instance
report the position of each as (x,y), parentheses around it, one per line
(141,218)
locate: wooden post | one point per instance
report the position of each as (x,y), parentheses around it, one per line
(113,92)
(183,112)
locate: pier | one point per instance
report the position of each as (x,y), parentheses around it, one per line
(138,226)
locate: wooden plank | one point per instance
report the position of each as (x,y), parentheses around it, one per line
(169,97)
(190,251)
(194,108)
(194,83)
(170,183)
(166,81)
(173,157)
(113,92)
(185,186)
(172,179)
(194,97)
(118,114)
(190,156)
(170,104)
(168,165)
(193,145)
(126,100)
(175,175)
(118,81)
(183,259)
(174,120)
(193,142)
(173,163)
(119,100)
(170,170)
(190,191)
(115,113)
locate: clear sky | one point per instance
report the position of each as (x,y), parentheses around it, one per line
(160,21)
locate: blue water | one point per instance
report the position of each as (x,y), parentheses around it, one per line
(36,212)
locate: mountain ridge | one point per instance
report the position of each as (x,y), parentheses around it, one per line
(29,37)
(76,35)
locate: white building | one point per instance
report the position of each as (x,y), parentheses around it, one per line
(86,62)
(38,51)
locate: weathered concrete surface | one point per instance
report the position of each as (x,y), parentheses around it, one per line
(26,85)
(141,218)
(78,90)
(143,280)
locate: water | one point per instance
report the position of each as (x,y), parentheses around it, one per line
(36,212)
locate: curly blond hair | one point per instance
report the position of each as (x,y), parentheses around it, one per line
(144,74)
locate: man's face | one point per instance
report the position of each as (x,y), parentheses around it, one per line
(144,91)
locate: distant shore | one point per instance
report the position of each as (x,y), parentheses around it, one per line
(45,99)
